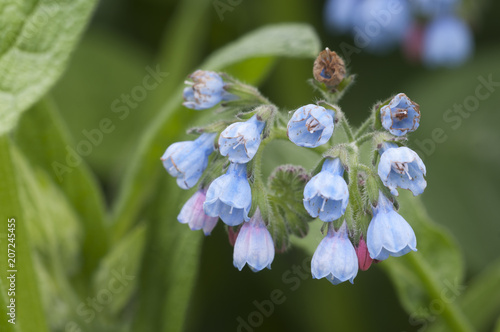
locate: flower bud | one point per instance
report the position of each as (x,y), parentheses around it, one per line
(193,215)
(364,259)
(329,68)
(232,234)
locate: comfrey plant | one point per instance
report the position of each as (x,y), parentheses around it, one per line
(355,200)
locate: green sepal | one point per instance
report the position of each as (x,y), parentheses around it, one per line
(245,94)
(215,127)
(376,113)
(286,190)
(217,165)
(341,151)
(371,189)
(335,94)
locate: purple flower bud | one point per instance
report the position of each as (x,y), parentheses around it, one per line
(192,214)
(206,90)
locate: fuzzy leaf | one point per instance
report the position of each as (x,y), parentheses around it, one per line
(37,38)
(286,185)
(123,260)
(27,296)
(42,124)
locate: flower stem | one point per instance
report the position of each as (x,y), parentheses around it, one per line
(259,190)
(345,125)
(363,128)
(356,200)
(363,139)
(451,313)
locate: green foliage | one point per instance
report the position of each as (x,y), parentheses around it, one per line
(123,259)
(27,288)
(481,300)
(422,278)
(36,42)
(286,185)
(42,125)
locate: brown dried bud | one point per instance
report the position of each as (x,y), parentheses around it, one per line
(329,68)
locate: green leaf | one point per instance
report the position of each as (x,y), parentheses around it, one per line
(481,299)
(168,275)
(124,260)
(37,39)
(252,71)
(286,186)
(435,247)
(58,239)
(29,311)
(289,40)
(497,326)
(55,242)
(53,154)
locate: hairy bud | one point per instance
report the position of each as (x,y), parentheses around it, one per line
(329,68)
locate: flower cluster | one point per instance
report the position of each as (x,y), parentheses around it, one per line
(428,30)
(223,166)
(327,195)
(229,196)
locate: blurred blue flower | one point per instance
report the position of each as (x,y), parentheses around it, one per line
(187,160)
(229,196)
(339,14)
(401,167)
(192,214)
(401,115)
(447,42)
(241,140)
(206,90)
(326,195)
(431,8)
(379,25)
(335,258)
(254,245)
(388,233)
(310,126)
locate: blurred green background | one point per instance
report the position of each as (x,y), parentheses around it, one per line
(126,36)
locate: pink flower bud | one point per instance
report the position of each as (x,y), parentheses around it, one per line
(192,214)
(364,259)
(232,234)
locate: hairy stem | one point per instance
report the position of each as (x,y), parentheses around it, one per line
(365,126)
